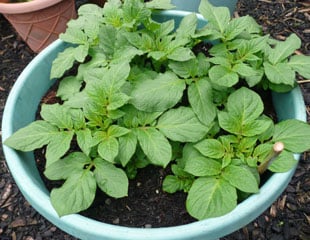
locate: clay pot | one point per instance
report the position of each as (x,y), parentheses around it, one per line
(39,22)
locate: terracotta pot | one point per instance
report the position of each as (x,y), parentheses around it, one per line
(39,22)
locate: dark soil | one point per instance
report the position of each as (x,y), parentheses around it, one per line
(288,218)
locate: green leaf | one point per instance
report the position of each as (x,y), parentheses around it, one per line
(63,62)
(284,49)
(134,12)
(134,117)
(112,13)
(218,17)
(117,99)
(58,146)
(76,36)
(187,27)
(63,168)
(245,70)
(189,152)
(57,115)
(117,131)
(210,197)
(78,118)
(155,146)
(184,69)
(181,54)
(68,87)
(81,53)
(211,148)
(294,134)
(300,64)
(108,148)
(127,148)
(202,166)
(223,76)
(200,97)
(181,124)
(107,39)
(76,194)
(110,179)
(159,94)
(236,26)
(85,140)
(115,77)
(159,4)
(244,107)
(172,184)
(281,73)
(33,136)
(241,177)
(283,163)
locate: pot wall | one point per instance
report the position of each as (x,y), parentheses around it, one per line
(20,110)
(39,22)
(193,5)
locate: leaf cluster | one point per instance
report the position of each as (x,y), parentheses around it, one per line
(141,95)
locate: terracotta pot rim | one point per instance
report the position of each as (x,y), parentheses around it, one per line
(26,7)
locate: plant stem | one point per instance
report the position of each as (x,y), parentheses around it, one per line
(277,148)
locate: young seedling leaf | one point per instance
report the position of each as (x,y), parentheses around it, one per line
(181,54)
(172,184)
(68,87)
(210,197)
(76,194)
(294,134)
(280,73)
(284,49)
(58,146)
(85,140)
(241,177)
(223,76)
(159,94)
(117,131)
(159,4)
(211,148)
(218,17)
(33,136)
(202,166)
(244,106)
(57,115)
(184,69)
(110,179)
(108,149)
(181,124)
(63,62)
(200,97)
(283,163)
(235,27)
(155,146)
(300,63)
(127,148)
(76,36)
(63,168)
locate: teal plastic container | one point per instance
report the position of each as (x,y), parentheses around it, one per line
(192,5)
(20,110)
